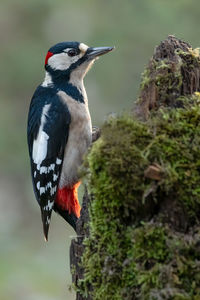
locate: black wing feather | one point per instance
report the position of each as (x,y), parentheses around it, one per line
(45,176)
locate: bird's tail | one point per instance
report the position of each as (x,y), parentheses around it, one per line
(67,199)
(46,218)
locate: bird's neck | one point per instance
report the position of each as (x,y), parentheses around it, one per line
(72,85)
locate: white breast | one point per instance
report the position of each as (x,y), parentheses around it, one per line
(79,139)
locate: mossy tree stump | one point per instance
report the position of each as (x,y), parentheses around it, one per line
(139,235)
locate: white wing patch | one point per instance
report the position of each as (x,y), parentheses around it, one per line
(38,185)
(42,190)
(50,185)
(55,177)
(49,205)
(53,190)
(40,147)
(40,143)
(58,161)
(43,170)
(51,167)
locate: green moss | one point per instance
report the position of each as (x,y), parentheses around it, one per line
(146,79)
(165,76)
(139,245)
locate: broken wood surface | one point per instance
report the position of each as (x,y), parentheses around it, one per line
(169,75)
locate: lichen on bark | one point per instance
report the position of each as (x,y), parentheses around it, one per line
(144,174)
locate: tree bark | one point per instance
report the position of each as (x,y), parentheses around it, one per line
(77,247)
(153,95)
(82,230)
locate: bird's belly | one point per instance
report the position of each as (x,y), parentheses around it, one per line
(79,139)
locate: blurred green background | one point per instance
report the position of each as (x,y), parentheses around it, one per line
(31,269)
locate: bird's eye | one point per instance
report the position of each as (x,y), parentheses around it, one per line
(72,52)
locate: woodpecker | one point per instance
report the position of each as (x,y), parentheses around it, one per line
(59,130)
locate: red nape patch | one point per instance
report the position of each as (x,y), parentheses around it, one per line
(67,199)
(49,54)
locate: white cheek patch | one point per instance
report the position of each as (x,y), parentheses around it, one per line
(62,61)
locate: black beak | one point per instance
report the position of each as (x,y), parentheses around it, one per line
(98,51)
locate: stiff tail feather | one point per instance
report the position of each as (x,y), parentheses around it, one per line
(46,217)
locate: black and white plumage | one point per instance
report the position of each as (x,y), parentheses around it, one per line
(59,129)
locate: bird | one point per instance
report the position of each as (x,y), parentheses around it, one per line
(59,130)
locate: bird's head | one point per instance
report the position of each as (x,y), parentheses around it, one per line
(67,58)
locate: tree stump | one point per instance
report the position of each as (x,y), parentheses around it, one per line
(82,230)
(152,214)
(77,247)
